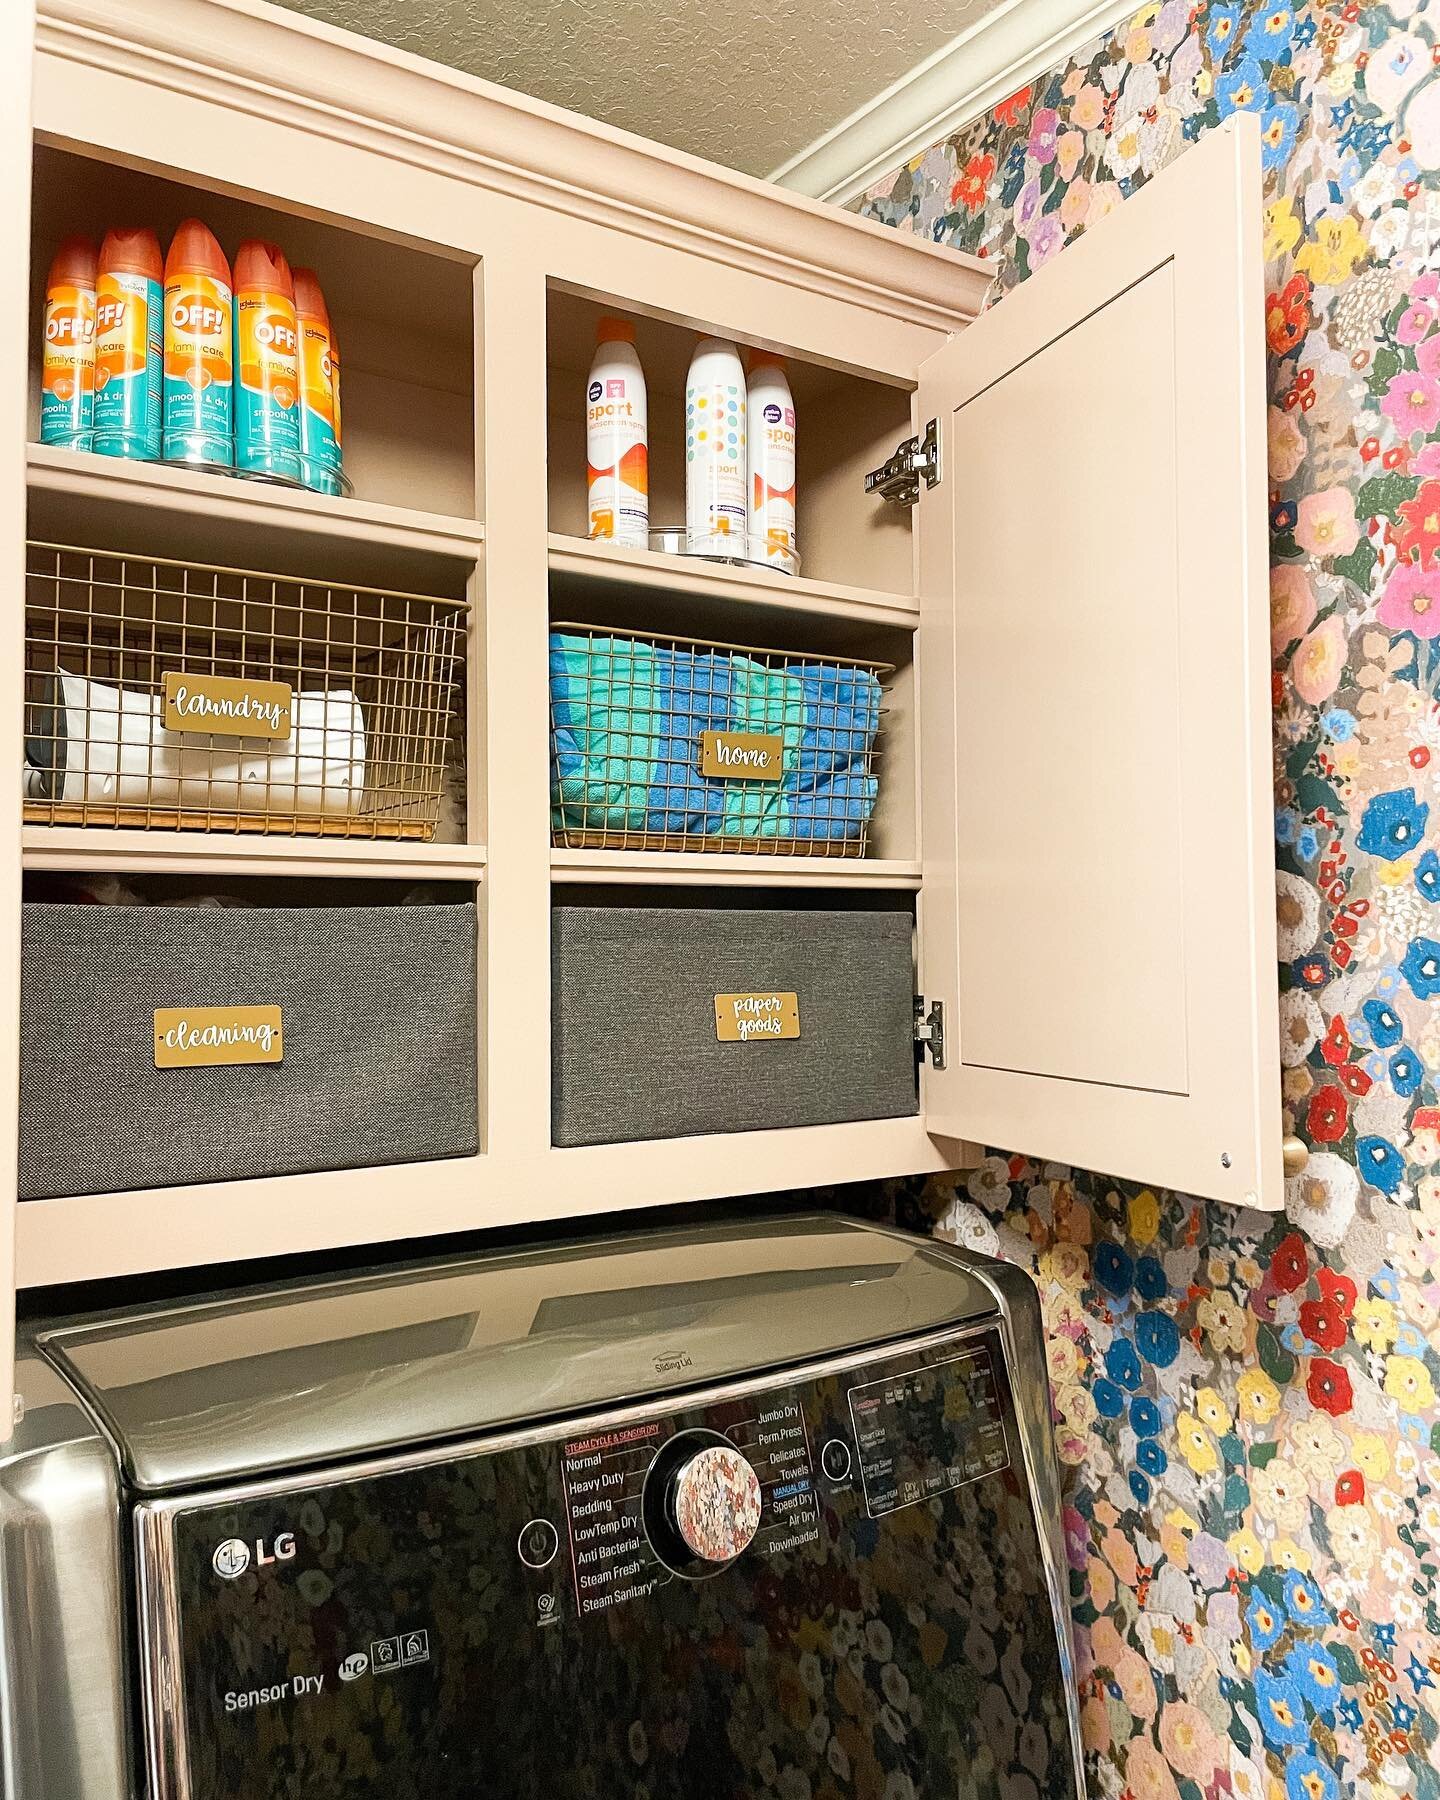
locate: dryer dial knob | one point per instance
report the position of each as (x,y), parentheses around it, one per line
(715,1503)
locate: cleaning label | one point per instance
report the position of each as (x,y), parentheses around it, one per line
(199,1037)
(129,346)
(199,412)
(67,394)
(267,343)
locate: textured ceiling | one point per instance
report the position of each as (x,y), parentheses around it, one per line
(747,84)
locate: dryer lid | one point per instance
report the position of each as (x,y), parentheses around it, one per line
(316,1371)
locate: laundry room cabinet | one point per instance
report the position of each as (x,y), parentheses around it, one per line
(1071,612)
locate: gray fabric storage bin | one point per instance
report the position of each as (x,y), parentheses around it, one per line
(634,1046)
(378,1042)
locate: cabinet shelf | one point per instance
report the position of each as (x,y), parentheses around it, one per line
(93,850)
(162,509)
(94,1237)
(581,567)
(678,868)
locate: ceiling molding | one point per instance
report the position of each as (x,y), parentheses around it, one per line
(994,57)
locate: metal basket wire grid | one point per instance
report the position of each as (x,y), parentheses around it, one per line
(186,696)
(665,743)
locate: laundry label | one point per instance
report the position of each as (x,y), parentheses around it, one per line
(751,1018)
(226,707)
(742,755)
(197,1037)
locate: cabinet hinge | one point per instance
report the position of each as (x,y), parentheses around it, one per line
(930,1029)
(899,479)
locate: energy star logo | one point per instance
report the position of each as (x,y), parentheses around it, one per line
(231,1558)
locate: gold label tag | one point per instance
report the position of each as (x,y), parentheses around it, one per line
(197,1037)
(742,755)
(225,707)
(742,1018)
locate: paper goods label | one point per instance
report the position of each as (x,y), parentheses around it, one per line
(753,1018)
(226,707)
(69,342)
(197,332)
(196,1037)
(267,343)
(742,755)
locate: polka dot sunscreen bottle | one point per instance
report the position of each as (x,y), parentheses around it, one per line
(67,392)
(267,363)
(129,345)
(715,511)
(199,409)
(319,387)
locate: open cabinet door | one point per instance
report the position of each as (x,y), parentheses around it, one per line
(1098,897)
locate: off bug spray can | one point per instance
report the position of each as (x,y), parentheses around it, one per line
(319,388)
(129,345)
(267,365)
(67,393)
(199,411)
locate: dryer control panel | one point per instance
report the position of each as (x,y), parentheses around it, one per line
(786,1574)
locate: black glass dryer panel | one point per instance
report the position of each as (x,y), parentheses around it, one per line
(500,1625)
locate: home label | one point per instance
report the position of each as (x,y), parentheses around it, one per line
(226,707)
(742,755)
(750,1018)
(195,1037)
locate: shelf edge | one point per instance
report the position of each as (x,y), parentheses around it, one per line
(142,1232)
(176,489)
(77,850)
(589,561)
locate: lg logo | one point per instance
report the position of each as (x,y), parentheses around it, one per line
(233,1557)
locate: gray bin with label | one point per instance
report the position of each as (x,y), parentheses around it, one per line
(635,1051)
(378,1066)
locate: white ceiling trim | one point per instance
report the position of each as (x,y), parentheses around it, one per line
(994,57)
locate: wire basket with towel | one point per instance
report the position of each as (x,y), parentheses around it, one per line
(672,744)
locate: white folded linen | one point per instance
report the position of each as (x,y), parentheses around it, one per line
(91,743)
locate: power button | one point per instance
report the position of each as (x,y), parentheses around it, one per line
(538,1543)
(835,1459)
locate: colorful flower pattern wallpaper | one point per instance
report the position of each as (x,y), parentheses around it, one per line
(1247,1405)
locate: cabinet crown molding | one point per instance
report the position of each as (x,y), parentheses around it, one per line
(261,58)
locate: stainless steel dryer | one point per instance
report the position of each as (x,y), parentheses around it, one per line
(720,1512)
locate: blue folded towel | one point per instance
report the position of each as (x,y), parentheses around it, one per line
(827,791)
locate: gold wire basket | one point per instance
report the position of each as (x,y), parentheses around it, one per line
(663,743)
(189,697)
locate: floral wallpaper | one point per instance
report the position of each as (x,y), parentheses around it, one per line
(1247,1405)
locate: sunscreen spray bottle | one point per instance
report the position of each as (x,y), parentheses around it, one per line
(716,515)
(772,464)
(267,346)
(129,345)
(199,411)
(67,392)
(319,388)
(616,432)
